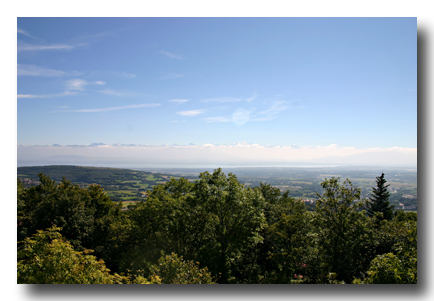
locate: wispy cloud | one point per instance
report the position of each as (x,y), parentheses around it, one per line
(21,31)
(271,113)
(66,93)
(73,43)
(190,113)
(29,47)
(76,84)
(137,106)
(249,99)
(221,99)
(179,100)
(32,70)
(79,84)
(112,92)
(217,119)
(171,55)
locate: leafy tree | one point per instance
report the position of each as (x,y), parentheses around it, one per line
(21,215)
(288,238)
(379,200)
(234,220)
(172,269)
(213,221)
(341,234)
(47,258)
(398,266)
(278,257)
(84,214)
(239,234)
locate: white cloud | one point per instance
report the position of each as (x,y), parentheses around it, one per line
(271,113)
(241,116)
(249,99)
(117,93)
(31,96)
(97,110)
(333,146)
(28,47)
(171,55)
(32,70)
(21,31)
(277,107)
(179,100)
(79,84)
(66,93)
(76,84)
(190,113)
(241,153)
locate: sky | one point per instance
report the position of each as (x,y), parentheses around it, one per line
(234,91)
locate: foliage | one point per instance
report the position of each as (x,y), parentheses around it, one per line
(399,267)
(378,202)
(341,233)
(211,221)
(214,226)
(284,238)
(172,269)
(85,215)
(234,219)
(78,211)
(47,257)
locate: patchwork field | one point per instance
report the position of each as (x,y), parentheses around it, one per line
(124,185)
(129,185)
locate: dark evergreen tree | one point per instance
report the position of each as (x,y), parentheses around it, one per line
(379,200)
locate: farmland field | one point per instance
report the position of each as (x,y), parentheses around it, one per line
(128,185)
(120,184)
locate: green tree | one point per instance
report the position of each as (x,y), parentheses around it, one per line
(341,234)
(85,215)
(234,220)
(47,257)
(279,256)
(379,200)
(398,266)
(172,269)
(288,238)
(212,221)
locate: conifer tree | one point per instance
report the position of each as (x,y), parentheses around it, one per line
(379,200)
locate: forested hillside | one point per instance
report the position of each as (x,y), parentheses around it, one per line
(120,184)
(213,230)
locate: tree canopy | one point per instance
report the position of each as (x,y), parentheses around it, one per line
(215,230)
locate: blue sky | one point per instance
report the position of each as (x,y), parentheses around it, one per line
(342,84)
